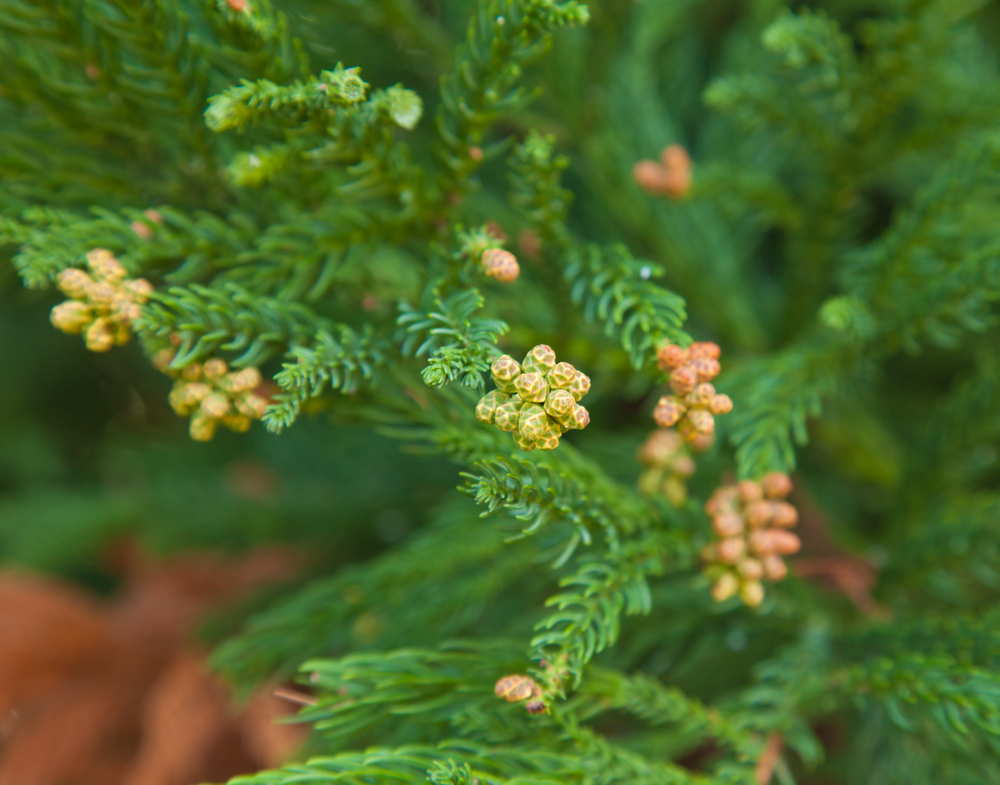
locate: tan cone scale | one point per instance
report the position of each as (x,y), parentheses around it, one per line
(537,400)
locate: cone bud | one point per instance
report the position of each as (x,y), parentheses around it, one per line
(100,336)
(731,550)
(701,396)
(501,265)
(671,356)
(487,406)
(752,593)
(103,264)
(559,403)
(532,422)
(704,350)
(750,491)
(506,414)
(74,283)
(504,370)
(776,485)
(215,368)
(683,379)
(720,404)
(775,568)
(532,387)
(725,587)
(540,360)
(705,369)
(71,316)
(668,411)
(580,386)
(727,524)
(561,376)
(202,428)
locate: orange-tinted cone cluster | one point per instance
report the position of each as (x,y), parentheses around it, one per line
(518,688)
(694,404)
(751,522)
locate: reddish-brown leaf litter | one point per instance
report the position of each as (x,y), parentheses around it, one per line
(115,692)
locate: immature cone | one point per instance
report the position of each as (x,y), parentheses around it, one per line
(535,401)
(517,688)
(212,395)
(695,403)
(102,305)
(751,521)
(667,463)
(671,176)
(500,264)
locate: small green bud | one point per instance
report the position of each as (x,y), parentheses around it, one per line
(487,406)
(561,376)
(405,107)
(507,413)
(549,442)
(580,386)
(344,85)
(559,403)
(525,444)
(532,387)
(576,420)
(532,422)
(540,360)
(504,370)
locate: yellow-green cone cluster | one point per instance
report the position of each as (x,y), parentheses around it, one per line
(751,522)
(103,305)
(668,463)
(212,395)
(537,400)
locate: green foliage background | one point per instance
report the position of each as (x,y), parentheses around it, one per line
(841,244)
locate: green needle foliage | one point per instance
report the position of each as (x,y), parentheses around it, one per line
(310,188)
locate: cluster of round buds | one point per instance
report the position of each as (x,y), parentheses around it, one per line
(212,395)
(751,521)
(694,403)
(537,400)
(517,689)
(670,176)
(500,264)
(102,305)
(668,464)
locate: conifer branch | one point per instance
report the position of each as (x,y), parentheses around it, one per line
(588,613)
(961,700)
(314,99)
(227,318)
(503,38)
(460,346)
(341,363)
(542,493)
